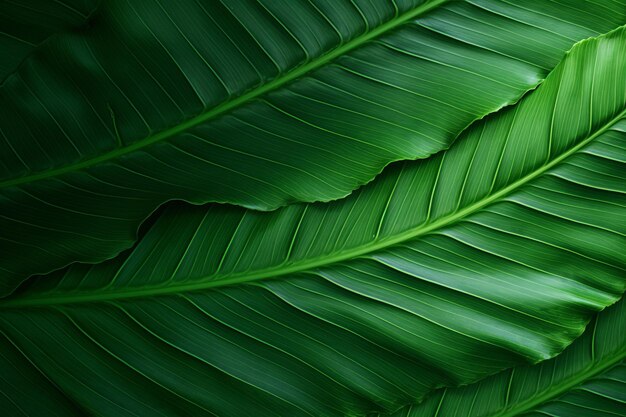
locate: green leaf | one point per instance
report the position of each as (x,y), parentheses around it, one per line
(257,103)
(26,25)
(443,271)
(587,380)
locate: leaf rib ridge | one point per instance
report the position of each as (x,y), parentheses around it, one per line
(232,104)
(302,267)
(594,369)
(563,389)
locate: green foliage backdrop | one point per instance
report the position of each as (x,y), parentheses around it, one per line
(383,207)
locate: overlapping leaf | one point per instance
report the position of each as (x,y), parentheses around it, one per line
(442,271)
(257,103)
(587,380)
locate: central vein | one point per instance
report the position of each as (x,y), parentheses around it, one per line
(230,105)
(296,267)
(559,389)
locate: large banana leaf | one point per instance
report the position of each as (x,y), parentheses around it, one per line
(445,270)
(25,24)
(587,380)
(253,102)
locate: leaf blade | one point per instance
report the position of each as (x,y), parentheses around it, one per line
(594,363)
(512,283)
(26,27)
(357,103)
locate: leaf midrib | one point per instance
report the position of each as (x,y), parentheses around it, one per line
(299,267)
(590,371)
(232,104)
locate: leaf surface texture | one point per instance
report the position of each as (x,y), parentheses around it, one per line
(243,102)
(28,24)
(443,271)
(587,380)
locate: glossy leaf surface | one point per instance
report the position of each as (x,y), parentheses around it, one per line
(441,272)
(244,102)
(587,380)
